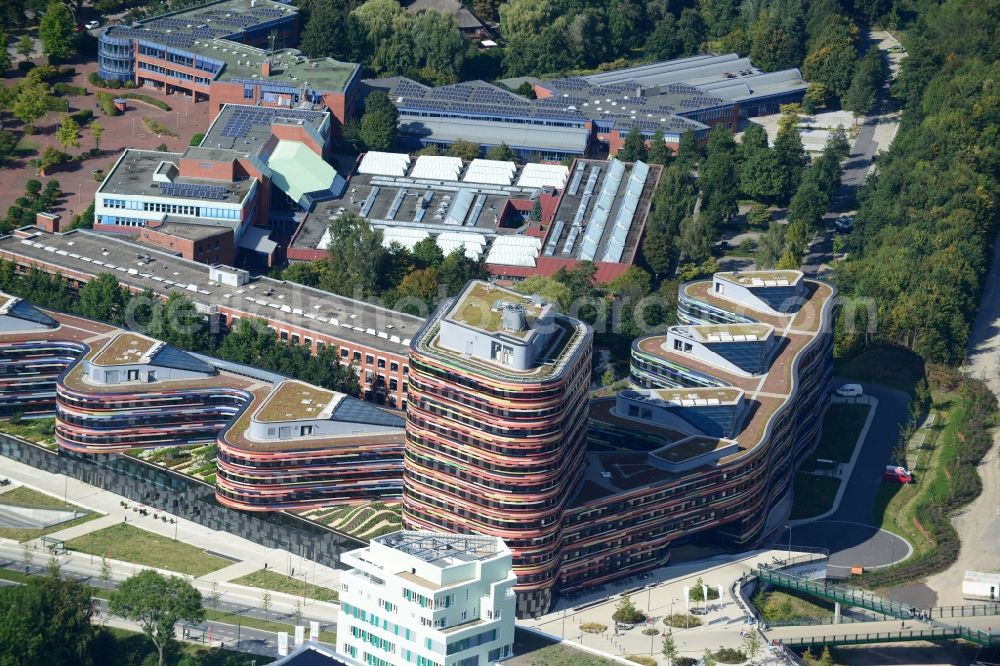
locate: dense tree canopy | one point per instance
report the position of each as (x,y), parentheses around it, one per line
(379,122)
(45,621)
(927,220)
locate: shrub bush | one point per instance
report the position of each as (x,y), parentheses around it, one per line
(593,627)
(8,142)
(145,99)
(29,129)
(197,139)
(729,656)
(642,659)
(680,621)
(156,127)
(107,103)
(83,116)
(68,89)
(685,661)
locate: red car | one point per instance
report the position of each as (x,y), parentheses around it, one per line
(897,474)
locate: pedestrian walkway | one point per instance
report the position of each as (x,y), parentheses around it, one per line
(84,528)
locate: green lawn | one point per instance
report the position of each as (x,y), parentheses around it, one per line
(841,427)
(533,650)
(813,494)
(37,431)
(131,544)
(271,580)
(26,497)
(781,606)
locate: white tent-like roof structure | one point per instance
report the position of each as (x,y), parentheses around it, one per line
(492,172)
(514,251)
(437,167)
(384,164)
(543,175)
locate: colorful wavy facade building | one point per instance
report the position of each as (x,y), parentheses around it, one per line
(34,350)
(496,427)
(282,444)
(704,442)
(722,406)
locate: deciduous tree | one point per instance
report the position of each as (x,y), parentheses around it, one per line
(378,124)
(157,603)
(68,133)
(56,31)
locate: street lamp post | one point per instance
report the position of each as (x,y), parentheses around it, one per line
(789,528)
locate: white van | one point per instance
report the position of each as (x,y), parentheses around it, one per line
(849,391)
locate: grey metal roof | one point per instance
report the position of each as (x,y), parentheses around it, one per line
(490,133)
(342,318)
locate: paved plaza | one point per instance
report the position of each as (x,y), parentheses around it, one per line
(661,595)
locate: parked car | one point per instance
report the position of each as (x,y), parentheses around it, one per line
(850,391)
(91,25)
(897,474)
(844,223)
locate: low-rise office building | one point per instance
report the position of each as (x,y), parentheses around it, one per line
(219,200)
(429,599)
(592,211)
(372,339)
(582,115)
(225,52)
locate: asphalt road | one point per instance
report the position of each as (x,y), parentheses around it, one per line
(849,534)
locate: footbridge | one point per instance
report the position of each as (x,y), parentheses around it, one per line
(976,623)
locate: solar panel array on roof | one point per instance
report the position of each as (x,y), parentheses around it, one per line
(193,190)
(171,357)
(626,213)
(384,164)
(599,217)
(242,118)
(437,167)
(493,172)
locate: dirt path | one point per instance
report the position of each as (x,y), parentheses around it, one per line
(979,524)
